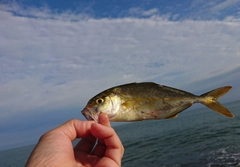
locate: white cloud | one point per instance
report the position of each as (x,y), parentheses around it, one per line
(142,12)
(214,10)
(49,60)
(43,12)
(223,5)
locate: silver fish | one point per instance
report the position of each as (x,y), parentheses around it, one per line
(148,101)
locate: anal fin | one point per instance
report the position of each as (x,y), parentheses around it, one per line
(172,116)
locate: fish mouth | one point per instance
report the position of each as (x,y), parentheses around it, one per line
(88,114)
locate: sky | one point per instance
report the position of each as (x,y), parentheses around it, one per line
(56,55)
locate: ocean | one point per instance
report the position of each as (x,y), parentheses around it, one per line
(197,138)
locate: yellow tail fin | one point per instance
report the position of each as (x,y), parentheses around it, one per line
(210,100)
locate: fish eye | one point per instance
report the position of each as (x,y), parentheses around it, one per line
(99,101)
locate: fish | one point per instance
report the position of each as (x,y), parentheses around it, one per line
(149,101)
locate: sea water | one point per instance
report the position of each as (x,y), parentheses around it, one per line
(198,137)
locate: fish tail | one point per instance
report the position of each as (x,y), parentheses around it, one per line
(210,100)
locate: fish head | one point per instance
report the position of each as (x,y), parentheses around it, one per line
(102,103)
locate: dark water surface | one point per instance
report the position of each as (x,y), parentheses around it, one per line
(196,138)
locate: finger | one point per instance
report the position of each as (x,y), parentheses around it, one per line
(74,129)
(104,120)
(114,146)
(100,148)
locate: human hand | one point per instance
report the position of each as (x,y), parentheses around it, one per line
(55,147)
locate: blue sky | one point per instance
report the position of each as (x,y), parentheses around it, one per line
(56,55)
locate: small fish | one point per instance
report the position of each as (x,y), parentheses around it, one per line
(148,101)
